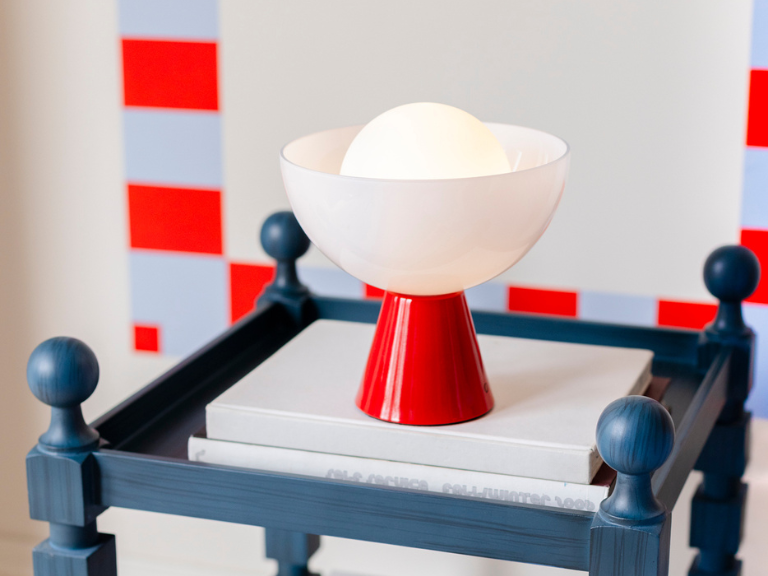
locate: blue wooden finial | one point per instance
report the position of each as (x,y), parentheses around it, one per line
(284,240)
(731,274)
(63,373)
(634,436)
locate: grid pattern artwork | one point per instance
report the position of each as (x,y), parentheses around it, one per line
(185,289)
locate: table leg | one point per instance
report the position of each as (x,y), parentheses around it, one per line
(630,532)
(75,551)
(62,475)
(717,511)
(292,550)
(626,550)
(731,274)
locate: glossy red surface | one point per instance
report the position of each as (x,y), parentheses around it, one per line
(424,367)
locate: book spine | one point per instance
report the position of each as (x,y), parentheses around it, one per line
(482,485)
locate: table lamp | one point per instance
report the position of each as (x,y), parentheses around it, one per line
(404,227)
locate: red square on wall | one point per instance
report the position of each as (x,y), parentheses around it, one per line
(178,219)
(757,241)
(170,74)
(537,301)
(694,315)
(757,122)
(246,283)
(146,338)
(372,292)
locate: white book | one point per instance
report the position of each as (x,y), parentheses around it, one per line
(548,398)
(482,485)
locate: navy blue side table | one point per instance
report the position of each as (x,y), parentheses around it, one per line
(135,455)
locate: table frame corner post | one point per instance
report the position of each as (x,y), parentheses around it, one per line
(731,274)
(625,549)
(630,533)
(62,474)
(292,550)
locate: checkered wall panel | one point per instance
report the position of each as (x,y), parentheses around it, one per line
(185,290)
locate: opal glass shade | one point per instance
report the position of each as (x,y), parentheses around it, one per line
(425,237)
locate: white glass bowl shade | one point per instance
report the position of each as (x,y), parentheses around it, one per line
(425,237)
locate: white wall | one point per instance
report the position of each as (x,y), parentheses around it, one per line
(63,232)
(63,238)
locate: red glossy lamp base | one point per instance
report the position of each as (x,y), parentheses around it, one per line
(424,367)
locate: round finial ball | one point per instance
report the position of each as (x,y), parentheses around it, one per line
(635,435)
(731,273)
(62,372)
(283,238)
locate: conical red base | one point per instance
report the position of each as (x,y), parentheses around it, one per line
(425,367)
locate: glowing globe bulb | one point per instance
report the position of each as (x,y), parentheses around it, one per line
(424,141)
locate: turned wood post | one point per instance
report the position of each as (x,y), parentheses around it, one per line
(630,532)
(284,240)
(62,476)
(731,274)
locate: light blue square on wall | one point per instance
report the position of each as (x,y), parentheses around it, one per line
(754,202)
(760,34)
(332,282)
(756,316)
(617,308)
(173,148)
(169,19)
(185,295)
(489,297)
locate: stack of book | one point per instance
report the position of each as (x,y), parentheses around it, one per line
(295,413)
